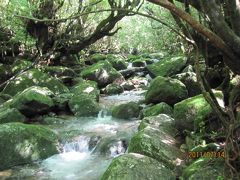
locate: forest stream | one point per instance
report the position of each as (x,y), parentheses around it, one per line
(88,144)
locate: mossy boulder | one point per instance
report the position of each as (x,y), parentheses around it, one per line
(94,58)
(189,79)
(58,71)
(61,102)
(86,87)
(20,65)
(4,98)
(34,77)
(113,89)
(161,122)
(137,167)
(83,105)
(167,66)
(166,90)
(102,72)
(126,111)
(156,144)
(139,63)
(11,115)
(205,168)
(189,113)
(117,61)
(21,143)
(160,108)
(32,101)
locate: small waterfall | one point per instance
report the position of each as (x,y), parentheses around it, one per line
(129,65)
(80,144)
(104,115)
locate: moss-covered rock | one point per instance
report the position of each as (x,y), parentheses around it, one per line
(157,55)
(102,72)
(94,58)
(83,105)
(189,79)
(205,168)
(113,89)
(161,122)
(156,144)
(126,111)
(167,66)
(86,87)
(137,167)
(5,72)
(61,102)
(161,108)
(32,101)
(34,77)
(58,71)
(117,61)
(4,98)
(19,65)
(166,90)
(21,143)
(139,63)
(189,113)
(11,115)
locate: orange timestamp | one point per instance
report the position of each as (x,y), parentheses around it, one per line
(206,154)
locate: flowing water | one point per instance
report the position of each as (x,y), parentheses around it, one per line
(87,145)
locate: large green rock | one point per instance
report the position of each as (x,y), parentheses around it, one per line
(83,105)
(102,72)
(34,77)
(32,101)
(94,58)
(137,167)
(189,79)
(113,89)
(21,143)
(205,169)
(11,115)
(126,111)
(161,108)
(86,87)
(58,71)
(117,61)
(167,66)
(156,144)
(161,122)
(189,113)
(166,90)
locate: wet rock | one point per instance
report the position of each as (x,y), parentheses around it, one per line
(102,72)
(34,77)
(128,85)
(205,168)
(166,90)
(32,101)
(11,115)
(189,79)
(86,87)
(113,89)
(117,61)
(83,105)
(126,111)
(137,166)
(21,143)
(139,63)
(156,144)
(161,108)
(167,66)
(189,113)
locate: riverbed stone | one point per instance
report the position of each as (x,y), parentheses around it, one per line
(160,108)
(167,66)
(34,77)
(11,115)
(126,111)
(205,168)
(166,90)
(117,61)
(137,166)
(22,143)
(86,87)
(32,101)
(156,144)
(83,105)
(102,72)
(189,113)
(113,88)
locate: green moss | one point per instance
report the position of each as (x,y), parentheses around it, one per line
(19,65)
(83,105)
(97,57)
(34,77)
(167,66)
(58,71)
(126,111)
(11,115)
(113,89)
(161,108)
(21,143)
(136,167)
(166,90)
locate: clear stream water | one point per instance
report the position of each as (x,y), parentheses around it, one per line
(88,145)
